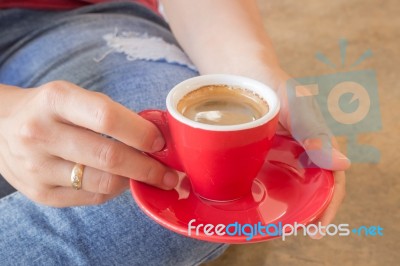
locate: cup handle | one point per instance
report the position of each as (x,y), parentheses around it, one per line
(167,155)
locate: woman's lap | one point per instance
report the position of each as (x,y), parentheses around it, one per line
(117,232)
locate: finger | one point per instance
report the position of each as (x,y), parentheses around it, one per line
(99,113)
(61,197)
(88,148)
(281,130)
(330,212)
(93,180)
(325,155)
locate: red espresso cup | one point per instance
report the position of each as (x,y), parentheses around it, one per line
(221,161)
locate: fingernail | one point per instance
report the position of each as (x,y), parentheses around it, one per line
(170,179)
(340,155)
(158,144)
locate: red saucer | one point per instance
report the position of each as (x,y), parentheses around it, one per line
(283,192)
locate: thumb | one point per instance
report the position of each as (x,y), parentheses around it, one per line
(302,117)
(325,155)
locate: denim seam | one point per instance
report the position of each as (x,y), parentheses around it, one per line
(8,197)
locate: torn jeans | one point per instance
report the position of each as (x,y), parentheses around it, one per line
(128,53)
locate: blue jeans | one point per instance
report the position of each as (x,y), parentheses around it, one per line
(40,46)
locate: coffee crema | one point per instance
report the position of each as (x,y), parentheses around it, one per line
(222,105)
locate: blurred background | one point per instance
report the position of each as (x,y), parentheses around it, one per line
(300,30)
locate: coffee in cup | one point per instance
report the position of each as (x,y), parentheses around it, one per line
(222,105)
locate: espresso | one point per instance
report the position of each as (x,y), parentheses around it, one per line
(222,105)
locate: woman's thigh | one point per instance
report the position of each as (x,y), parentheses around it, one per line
(115,233)
(118,232)
(134,61)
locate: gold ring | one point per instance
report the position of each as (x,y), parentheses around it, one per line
(76,176)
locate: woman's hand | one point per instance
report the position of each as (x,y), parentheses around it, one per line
(45,131)
(240,45)
(301,118)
